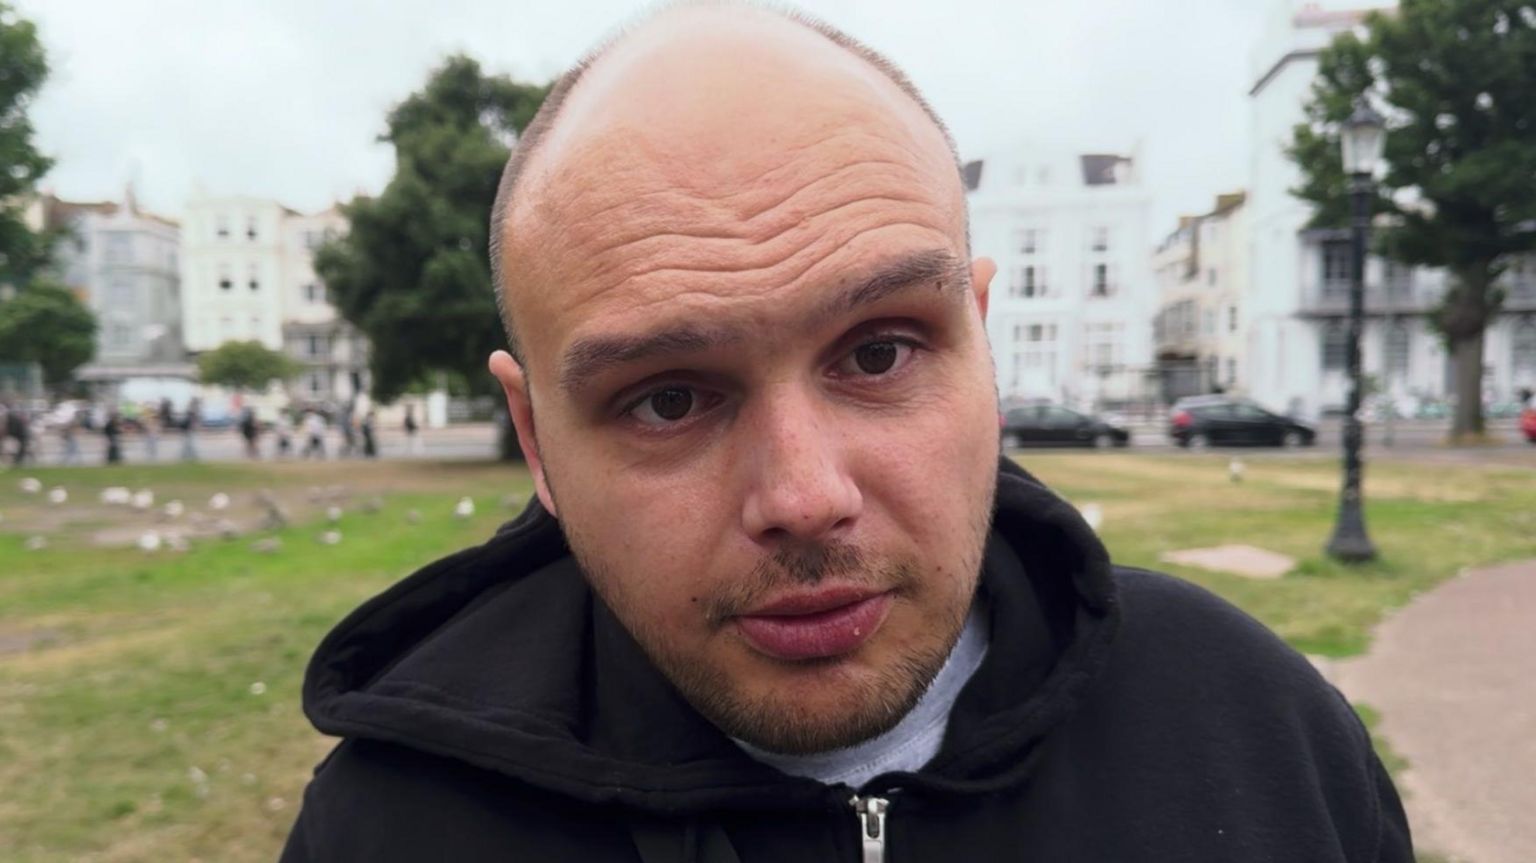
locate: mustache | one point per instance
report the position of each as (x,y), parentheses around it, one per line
(806,566)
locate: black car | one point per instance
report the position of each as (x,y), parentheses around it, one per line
(1050,425)
(1203,421)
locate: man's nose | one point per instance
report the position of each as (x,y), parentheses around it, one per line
(799,486)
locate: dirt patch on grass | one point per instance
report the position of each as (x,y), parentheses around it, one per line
(13,641)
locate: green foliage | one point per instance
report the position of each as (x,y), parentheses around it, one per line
(47,324)
(412,272)
(1454,78)
(245,366)
(23,67)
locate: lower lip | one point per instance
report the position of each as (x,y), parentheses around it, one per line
(815,636)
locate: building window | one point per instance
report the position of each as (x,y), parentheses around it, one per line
(253,280)
(1029,281)
(221,226)
(1398,278)
(255,327)
(1397,348)
(122,335)
(1522,278)
(1210,277)
(1336,268)
(225,283)
(314,292)
(1335,347)
(119,248)
(250,228)
(1100,239)
(1231,319)
(316,383)
(317,345)
(1523,346)
(1231,371)
(120,294)
(1030,240)
(1101,286)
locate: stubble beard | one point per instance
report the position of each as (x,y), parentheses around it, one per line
(868,704)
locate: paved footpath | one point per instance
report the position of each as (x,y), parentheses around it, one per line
(1454,677)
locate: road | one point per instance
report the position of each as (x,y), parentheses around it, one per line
(1418,439)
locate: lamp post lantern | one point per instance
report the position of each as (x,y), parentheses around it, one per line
(1362,137)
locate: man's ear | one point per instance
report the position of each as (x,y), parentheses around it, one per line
(520,404)
(982,271)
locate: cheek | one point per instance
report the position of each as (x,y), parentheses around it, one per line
(652,536)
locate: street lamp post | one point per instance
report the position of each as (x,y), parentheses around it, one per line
(1362,136)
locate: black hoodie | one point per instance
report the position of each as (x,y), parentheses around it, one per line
(492,708)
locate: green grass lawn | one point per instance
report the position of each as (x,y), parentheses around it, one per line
(149,703)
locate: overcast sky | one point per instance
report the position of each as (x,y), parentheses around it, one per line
(284,98)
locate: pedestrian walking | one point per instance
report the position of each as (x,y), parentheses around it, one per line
(68,432)
(314,431)
(152,424)
(250,430)
(348,429)
(18,426)
(412,439)
(112,430)
(370,447)
(189,424)
(284,428)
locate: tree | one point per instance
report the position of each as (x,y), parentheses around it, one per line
(23,67)
(1454,78)
(412,271)
(245,366)
(47,324)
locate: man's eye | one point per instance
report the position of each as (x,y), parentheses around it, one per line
(664,406)
(876,358)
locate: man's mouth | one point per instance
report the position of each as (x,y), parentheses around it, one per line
(815,624)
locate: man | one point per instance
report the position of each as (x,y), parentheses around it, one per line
(18,426)
(189,425)
(314,432)
(775,598)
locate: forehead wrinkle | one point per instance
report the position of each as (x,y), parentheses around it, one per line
(783,270)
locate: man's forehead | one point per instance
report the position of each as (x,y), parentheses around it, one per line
(713,128)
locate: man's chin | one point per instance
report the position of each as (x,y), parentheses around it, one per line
(812,706)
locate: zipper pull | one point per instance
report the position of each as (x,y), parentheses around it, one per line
(871,815)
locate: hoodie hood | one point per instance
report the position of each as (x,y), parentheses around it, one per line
(501,657)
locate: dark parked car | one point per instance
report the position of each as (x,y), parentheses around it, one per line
(1202,421)
(1050,425)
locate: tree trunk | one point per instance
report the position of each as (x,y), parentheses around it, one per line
(1469,387)
(1463,318)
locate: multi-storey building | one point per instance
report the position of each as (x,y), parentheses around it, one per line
(1202,277)
(1070,310)
(1297,310)
(122,262)
(248,272)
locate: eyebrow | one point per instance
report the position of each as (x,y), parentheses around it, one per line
(593,356)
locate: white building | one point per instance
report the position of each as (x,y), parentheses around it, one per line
(1298,309)
(248,274)
(1070,313)
(1203,284)
(122,262)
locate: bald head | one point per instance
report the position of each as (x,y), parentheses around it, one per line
(707,98)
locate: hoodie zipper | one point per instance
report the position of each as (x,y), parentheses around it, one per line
(871,815)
